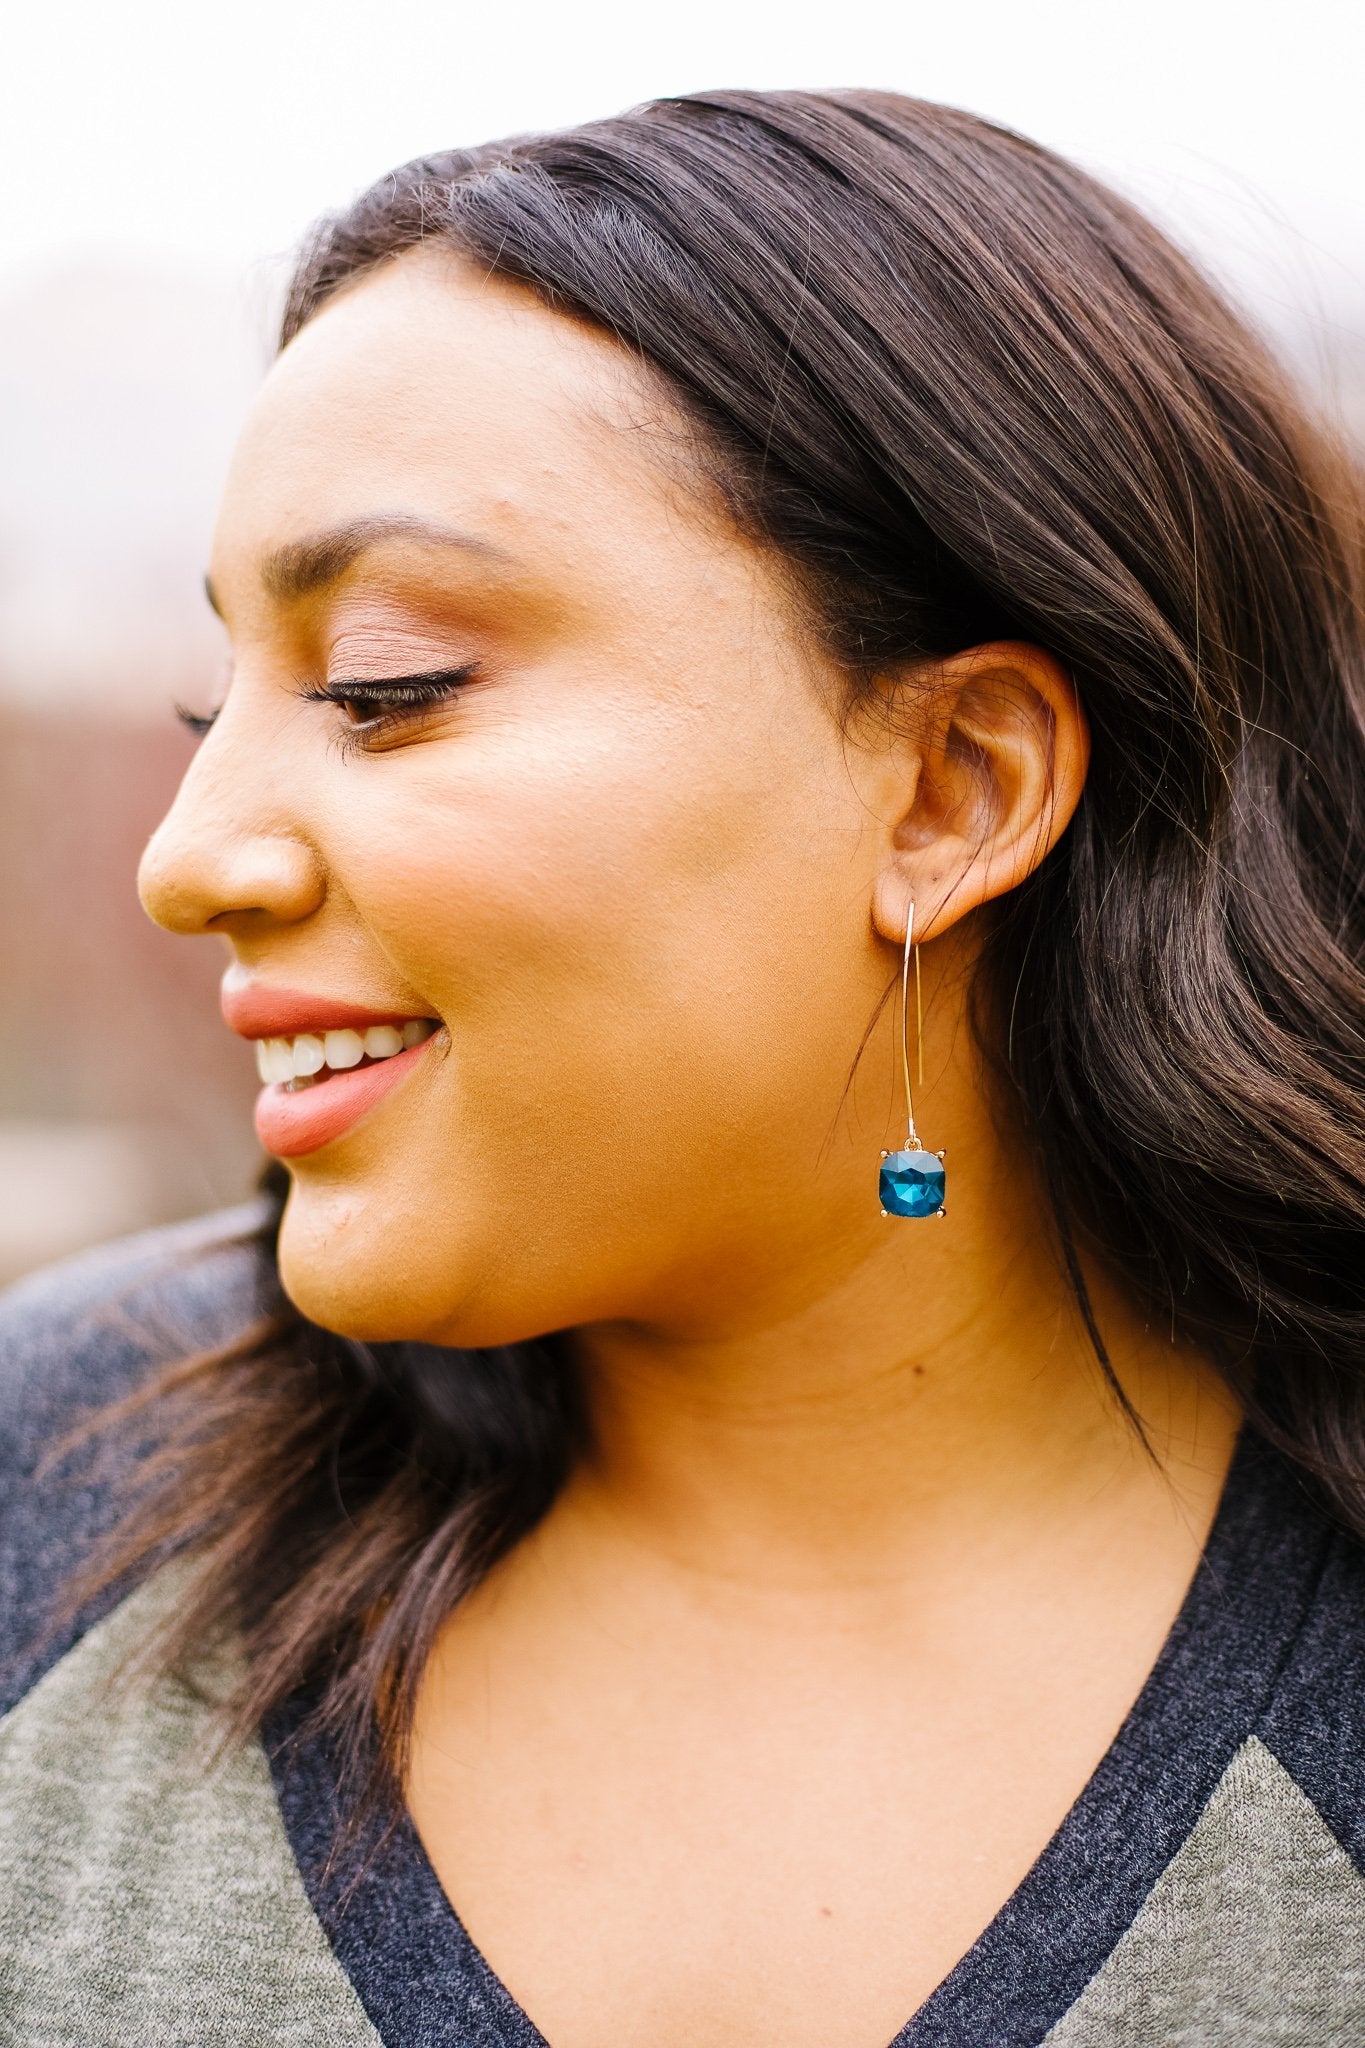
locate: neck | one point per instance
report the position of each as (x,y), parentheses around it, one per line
(930,1388)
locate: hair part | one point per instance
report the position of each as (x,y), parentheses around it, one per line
(965,393)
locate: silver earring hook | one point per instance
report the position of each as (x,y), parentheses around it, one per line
(905,1026)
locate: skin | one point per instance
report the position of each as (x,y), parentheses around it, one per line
(862,1569)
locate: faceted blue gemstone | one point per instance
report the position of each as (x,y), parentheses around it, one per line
(912,1183)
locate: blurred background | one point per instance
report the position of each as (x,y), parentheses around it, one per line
(158,163)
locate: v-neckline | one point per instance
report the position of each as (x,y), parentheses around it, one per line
(420,1976)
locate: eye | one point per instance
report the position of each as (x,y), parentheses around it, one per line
(200,722)
(197,722)
(378,706)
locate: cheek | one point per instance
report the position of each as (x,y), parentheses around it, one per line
(579,950)
(502,875)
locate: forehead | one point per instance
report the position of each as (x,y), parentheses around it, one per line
(429,388)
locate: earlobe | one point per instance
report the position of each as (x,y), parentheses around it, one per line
(1000,772)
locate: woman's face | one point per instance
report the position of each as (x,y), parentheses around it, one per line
(624,866)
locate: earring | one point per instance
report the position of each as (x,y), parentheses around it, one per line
(912,1182)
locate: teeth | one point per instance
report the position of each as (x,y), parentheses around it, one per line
(343,1049)
(285,1060)
(275,1059)
(309,1055)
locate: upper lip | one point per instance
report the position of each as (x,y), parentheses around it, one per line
(253,1009)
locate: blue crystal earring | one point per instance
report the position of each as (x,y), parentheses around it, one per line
(912,1182)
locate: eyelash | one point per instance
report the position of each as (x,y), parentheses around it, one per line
(400,698)
(197,721)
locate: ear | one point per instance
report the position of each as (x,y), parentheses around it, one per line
(986,789)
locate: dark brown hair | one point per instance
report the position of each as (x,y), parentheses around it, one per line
(964,391)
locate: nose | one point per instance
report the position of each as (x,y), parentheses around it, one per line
(225,855)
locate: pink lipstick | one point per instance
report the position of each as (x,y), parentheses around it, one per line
(325,1062)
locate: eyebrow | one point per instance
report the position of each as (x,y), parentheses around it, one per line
(300,567)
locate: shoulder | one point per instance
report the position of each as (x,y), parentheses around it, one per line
(73,1338)
(1315,1726)
(77,1333)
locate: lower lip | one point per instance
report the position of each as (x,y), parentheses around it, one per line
(290,1124)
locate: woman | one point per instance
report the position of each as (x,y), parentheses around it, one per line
(776,639)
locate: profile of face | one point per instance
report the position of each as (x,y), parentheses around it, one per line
(525,739)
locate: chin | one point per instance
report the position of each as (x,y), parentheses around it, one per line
(366,1281)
